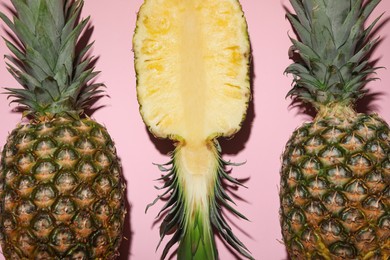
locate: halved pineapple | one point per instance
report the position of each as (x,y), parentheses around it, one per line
(192,61)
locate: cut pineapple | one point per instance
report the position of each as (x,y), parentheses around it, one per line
(192,63)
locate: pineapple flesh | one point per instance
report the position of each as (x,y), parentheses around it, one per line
(335,172)
(192,64)
(61,186)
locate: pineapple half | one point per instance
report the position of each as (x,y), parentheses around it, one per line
(61,189)
(335,176)
(192,62)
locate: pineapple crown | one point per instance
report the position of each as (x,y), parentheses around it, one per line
(332,47)
(45,62)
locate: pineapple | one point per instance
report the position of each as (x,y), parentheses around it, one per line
(335,176)
(192,60)
(61,189)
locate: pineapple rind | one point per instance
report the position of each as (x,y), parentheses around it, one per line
(48,206)
(335,188)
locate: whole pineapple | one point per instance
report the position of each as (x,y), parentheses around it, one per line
(61,190)
(192,64)
(335,194)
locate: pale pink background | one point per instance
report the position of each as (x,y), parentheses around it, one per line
(270,122)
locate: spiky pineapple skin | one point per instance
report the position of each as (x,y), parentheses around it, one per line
(335,194)
(62,193)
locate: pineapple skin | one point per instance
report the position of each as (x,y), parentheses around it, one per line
(335,194)
(61,191)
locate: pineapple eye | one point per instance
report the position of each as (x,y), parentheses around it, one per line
(65,135)
(11,176)
(365,131)
(10,200)
(103,211)
(100,136)
(293,176)
(85,146)
(44,128)
(366,236)
(287,201)
(331,227)
(64,205)
(374,176)
(8,223)
(66,158)
(316,208)
(62,239)
(300,194)
(334,201)
(376,149)
(103,185)
(99,239)
(352,219)
(78,253)
(373,206)
(25,162)
(384,222)
(343,250)
(338,175)
(44,195)
(116,198)
(102,159)
(331,156)
(25,241)
(26,207)
(45,147)
(115,224)
(86,171)
(44,253)
(296,154)
(42,224)
(296,248)
(318,187)
(384,135)
(66,182)
(356,191)
(332,135)
(9,152)
(299,136)
(25,185)
(359,164)
(314,144)
(84,196)
(375,181)
(297,219)
(24,141)
(308,237)
(44,170)
(352,143)
(310,167)
(386,166)
(82,125)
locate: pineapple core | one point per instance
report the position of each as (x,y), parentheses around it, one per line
(194,83)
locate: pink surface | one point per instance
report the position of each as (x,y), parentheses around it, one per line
(270,121)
